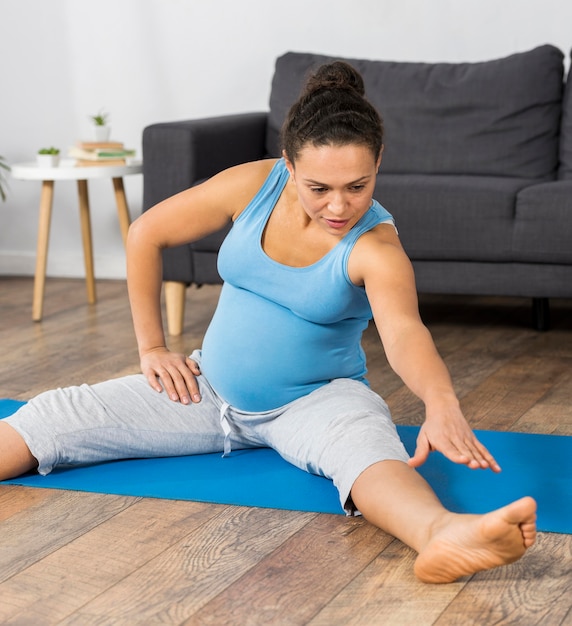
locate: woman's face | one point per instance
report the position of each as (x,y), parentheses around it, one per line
(335,184)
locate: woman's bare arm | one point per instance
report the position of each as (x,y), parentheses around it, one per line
(183,218)
(380,262)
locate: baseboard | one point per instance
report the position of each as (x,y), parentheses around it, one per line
(62,265)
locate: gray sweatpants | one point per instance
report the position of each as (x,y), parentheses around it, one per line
(336,431)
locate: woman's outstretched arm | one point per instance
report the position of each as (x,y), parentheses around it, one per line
(390,285)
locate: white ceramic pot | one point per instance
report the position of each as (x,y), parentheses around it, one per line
(101,133)
(48,160)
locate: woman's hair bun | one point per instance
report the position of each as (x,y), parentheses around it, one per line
(336,75)
(332,111)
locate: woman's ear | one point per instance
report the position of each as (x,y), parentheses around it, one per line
(289,164)
(377,165)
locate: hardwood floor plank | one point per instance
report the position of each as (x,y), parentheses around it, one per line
(387,593)
(15,499)
(79,336)
(65,580)
(551,414)
(178,582)
(554,343)
(300,576)
(505,396)
(34,532)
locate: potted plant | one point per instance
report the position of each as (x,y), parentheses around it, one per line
(4,167)
(48,157)
(101,128)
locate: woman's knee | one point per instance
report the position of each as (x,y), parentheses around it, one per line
(15,456)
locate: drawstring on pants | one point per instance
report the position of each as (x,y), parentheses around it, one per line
(226,428)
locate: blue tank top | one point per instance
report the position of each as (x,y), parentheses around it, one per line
(279,332)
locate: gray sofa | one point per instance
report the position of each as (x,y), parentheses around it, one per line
(477,171)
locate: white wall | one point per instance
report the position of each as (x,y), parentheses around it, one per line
(146,61)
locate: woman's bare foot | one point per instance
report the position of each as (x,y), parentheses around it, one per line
(471,543)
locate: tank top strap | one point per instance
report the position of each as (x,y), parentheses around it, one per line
(262,204)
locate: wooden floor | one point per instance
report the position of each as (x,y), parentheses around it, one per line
(78,558)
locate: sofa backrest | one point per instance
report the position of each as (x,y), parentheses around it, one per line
(565,169)
(497,118)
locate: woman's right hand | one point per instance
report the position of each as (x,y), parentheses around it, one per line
(173,372)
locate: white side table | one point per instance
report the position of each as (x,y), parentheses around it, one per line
(68,171)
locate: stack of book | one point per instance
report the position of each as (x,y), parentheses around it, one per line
(88,153)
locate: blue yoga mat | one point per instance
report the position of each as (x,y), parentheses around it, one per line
(535,465)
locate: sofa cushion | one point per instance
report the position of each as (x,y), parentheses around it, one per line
(494,118)
(543,224)
(461,218)
(565,170)
(531,280)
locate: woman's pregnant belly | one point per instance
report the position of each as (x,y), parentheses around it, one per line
(258,355)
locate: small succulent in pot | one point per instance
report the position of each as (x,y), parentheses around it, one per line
(48,157)
(101,128)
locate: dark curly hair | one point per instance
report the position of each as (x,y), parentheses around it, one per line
(332,110)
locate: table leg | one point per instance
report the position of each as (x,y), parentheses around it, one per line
(86,239)
(46,202)
(122,209)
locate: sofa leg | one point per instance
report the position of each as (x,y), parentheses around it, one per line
(541,313)
(175,304)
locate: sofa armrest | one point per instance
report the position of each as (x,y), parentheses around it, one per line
(176,155)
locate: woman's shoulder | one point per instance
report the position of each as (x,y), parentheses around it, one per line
(236,186)
(377,250)
(251,173)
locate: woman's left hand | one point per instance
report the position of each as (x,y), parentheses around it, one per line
(176,373)
(454,438)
